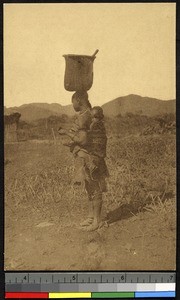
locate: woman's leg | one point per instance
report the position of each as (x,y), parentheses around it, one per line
(90,217)
(94,191)
(97,207)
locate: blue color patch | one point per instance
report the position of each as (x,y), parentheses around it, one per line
(154,294)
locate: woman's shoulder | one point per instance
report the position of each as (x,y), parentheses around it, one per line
(85,119)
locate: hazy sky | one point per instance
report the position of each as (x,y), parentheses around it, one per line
(136,45)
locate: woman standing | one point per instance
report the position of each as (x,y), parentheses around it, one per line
(82,138)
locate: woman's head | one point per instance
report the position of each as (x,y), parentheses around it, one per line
(80,100)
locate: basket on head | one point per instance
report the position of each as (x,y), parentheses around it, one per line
(78,72)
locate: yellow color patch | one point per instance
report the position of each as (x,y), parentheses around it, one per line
(69,295)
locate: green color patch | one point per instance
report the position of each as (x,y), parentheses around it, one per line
(113,295)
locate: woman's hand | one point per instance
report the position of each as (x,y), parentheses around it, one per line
(62,131)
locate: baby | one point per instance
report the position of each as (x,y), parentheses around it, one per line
(96,140)
(97,133)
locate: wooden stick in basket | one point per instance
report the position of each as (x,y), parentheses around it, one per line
(95,53)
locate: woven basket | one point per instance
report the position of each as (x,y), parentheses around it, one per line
(78,72)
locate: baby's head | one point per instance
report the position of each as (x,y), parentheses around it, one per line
(97,112)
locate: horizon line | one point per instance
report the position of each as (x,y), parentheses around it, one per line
(100,105)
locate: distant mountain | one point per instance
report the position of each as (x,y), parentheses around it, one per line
(34,111)
(129,104)
(138,105)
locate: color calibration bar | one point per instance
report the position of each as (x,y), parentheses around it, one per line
(91,295)
(89,285)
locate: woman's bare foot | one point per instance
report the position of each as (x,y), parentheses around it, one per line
(94,226)
(87,222)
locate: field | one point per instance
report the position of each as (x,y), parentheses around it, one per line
(43,210)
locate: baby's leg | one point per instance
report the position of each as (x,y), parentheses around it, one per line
(83,154)
(89,163)
(79,171)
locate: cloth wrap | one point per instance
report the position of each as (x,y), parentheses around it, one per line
(95,146)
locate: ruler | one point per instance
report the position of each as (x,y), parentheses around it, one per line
(34,280)
(90,285)
(88,277)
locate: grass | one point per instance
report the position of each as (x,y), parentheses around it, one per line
(164,212)
(141,195)
(141,169)
(39,179)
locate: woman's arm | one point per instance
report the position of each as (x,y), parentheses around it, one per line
(79,137)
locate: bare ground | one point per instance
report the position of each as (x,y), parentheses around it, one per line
(43,211)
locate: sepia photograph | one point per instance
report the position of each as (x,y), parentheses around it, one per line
(90,136)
